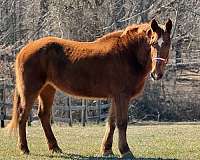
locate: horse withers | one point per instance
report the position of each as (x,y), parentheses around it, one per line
(114,66)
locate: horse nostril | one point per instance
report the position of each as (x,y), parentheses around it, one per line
(153,77)
(159,76)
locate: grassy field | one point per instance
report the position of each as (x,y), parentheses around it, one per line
(149,142)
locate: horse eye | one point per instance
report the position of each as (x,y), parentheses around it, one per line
(155,44)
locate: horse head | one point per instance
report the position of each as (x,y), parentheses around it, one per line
(160,41)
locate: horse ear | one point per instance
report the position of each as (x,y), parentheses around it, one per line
(149,33)
(169,25)
(154,25)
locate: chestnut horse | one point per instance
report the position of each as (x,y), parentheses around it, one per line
(114,66)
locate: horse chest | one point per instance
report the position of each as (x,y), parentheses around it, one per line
(134,87)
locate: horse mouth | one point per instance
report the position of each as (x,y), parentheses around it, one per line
(156,77)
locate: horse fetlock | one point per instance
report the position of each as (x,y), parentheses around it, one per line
(54,148)
(124,148)
(23,149)
(106,149)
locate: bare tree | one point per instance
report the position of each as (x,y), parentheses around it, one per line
(176,97)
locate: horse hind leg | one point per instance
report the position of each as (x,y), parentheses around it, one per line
(24,110)
(44,112)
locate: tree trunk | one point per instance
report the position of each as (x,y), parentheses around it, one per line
(118,13)
(43,11)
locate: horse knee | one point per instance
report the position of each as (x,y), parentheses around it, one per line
(122,125)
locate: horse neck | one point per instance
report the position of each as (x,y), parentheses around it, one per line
(138,50)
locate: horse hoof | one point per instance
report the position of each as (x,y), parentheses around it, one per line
(24,152)
(128,155)
(56,150)
(108,153)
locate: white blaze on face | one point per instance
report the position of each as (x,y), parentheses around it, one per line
(160,41)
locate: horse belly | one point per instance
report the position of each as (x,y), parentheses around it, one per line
(82,85)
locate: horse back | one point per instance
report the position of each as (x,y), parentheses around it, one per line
(86,69)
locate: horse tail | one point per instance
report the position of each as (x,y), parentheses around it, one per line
(13,124)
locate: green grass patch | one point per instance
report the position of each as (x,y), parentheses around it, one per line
(151,142)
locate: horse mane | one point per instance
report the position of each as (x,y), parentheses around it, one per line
(122,37)
(136,28)
(119,33)
(115,34)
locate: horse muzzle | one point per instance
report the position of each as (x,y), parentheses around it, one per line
(155,76)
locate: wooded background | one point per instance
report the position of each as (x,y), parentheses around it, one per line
(175,98)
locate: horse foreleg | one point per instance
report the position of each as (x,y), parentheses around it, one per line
(121,104)
(106,147)
(44,112)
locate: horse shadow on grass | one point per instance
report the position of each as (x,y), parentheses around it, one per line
(81,157)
